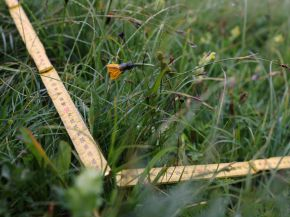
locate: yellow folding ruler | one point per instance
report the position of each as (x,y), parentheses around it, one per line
(175,174)
(88,150)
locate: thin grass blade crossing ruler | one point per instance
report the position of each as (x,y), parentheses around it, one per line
(88,150)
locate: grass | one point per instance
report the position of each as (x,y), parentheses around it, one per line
(200,111)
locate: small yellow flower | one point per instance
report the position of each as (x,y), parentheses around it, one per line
(206,39)
(207,58)
(279,39)
(211,56)
(114,71)
(235,32)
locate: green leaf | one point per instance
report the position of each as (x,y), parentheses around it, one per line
(85,195)
(62,159)
(157,83)
(35,148)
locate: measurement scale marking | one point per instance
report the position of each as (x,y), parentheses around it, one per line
(130,177)
(88,150)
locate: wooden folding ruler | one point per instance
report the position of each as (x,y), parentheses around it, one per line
(88,150)
(167,175)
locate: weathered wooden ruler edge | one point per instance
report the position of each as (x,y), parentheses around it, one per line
(174,174)
(88,150)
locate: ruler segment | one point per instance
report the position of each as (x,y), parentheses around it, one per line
(30,38)
(88,150)
(12,3)
(130,177)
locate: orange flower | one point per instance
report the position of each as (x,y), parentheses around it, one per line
(114,71)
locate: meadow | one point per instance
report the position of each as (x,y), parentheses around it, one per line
(211,86)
